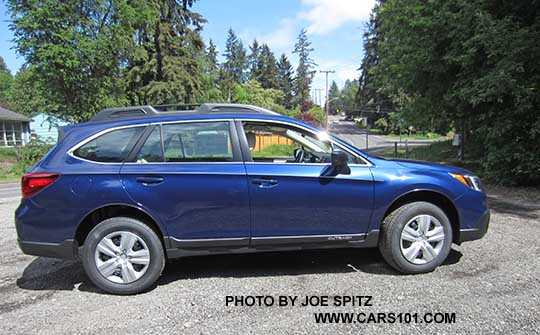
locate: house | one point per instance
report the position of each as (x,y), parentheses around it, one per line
(45,127)
(14,129)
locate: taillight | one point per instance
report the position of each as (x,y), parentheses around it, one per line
(32,183)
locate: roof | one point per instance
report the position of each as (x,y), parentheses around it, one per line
(8,115)
(147,111)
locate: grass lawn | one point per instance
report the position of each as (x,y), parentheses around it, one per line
(8,177)
(8,158)
(438,152)
(428,136)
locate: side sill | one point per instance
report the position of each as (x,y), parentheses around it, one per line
(179,248)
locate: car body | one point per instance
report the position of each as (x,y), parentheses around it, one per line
(203,188)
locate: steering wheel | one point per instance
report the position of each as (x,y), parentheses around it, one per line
(299,154)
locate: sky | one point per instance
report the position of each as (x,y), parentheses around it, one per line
(335,29)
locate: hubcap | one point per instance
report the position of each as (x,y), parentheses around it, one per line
(422,239)
(122,257)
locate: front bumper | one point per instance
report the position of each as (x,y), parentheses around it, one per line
(471,234)
(67,249)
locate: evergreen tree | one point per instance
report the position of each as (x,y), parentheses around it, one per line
(211,57)
(286,80)
(254,61)
(165,66)
(368,95)
(235,59)
(333,92)
(305,70)
(333,97)
(232,70)
(269,70)
(210,91)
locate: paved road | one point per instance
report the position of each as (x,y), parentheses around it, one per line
(9,191)
(493,286)
(348,131)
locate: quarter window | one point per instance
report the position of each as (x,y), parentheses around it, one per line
(112,147)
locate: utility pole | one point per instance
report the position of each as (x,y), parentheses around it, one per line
(326,101)
(318,94)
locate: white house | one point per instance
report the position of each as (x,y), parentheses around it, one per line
(14,129)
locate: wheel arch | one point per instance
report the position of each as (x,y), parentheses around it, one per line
(94,217)
(434,197)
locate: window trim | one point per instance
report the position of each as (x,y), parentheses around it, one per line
(71,151)
(249,160)
(237,154)
(132,157)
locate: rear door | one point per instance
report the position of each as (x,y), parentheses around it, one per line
(191,176)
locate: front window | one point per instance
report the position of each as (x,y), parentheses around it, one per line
(278,143)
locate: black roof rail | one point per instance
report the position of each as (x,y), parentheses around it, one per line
(135,112)
(108,114)
(233,108)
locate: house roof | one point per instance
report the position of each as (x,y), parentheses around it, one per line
(12,116)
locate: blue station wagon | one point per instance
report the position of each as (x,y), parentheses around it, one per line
(136,186)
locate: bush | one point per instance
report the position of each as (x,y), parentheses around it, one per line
(318,113)
(29,155)
(8,154)
(309,118)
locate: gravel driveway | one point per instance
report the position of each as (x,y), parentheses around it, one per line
(492,286)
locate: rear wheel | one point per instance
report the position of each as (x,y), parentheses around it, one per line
(416,237)
(123,256)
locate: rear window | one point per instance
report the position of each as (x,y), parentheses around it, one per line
(112,147)
(189,142)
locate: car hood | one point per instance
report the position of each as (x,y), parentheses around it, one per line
(418,165)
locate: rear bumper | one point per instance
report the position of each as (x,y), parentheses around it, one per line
(471,234)
(67,249)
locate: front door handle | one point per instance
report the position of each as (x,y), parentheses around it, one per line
(264,182)
(147,180)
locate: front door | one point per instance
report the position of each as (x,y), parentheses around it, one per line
(191,176)
(293,197)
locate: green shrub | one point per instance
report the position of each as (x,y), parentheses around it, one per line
(8,154)
(318,113)
(29,155)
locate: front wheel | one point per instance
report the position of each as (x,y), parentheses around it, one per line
(123,256)
(416,238)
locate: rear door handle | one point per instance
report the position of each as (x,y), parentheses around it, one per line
(146,180)
(264,182)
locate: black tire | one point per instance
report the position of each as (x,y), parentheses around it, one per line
(123,224)
(390,238)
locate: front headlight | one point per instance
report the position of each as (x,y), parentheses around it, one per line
(468,180)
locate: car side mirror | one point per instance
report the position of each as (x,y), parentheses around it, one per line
(340,162)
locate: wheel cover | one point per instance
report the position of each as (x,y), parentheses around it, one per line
(422,239)
(122,257)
